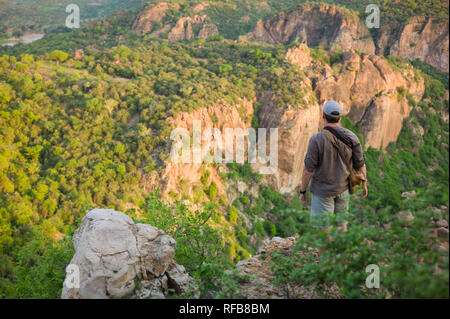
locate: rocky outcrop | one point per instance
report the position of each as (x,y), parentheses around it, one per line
(372,92)
(219,116)
(183,30)
(147,18)
(207,30)
(315,25)
(112,253)
(383,120)
(261,283)
(299,56)
(417,38)
(79,54)
(296,124)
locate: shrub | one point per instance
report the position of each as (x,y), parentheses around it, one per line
(40,268)
(233,214)
(270,228)
(58,55)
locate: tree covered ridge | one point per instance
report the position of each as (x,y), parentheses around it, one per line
(233,18)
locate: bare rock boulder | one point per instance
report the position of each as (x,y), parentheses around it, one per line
(112,253)
(208,29)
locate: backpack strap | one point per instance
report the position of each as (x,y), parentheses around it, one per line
(344,139)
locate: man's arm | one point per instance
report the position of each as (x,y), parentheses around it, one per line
(365,191)
(359,163)
(306,178)
(311,162)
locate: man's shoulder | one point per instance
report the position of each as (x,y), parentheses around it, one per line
(319,135)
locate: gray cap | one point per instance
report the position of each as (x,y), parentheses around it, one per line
(332,108)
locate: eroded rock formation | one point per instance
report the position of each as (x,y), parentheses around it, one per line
(207,30)
(296,124)
(316,25)
(184,28)
(219,116)
(147,18)
(112,253)
(417,38)
(373,93)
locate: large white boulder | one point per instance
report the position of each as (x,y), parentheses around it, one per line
(112,252)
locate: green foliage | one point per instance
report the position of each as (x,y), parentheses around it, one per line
(270,228)
(258,229)
(205,177)
(221,284)
(413,160)
(80,133)
(197,241)
(58,55)
(46,15)
(212,191)
(233,214)
(243,172)
(225,68)
(406,254)
(320,55)
(39,269)
(200,246)
(336,55)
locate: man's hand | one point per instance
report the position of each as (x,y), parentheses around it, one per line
(365,191)
(303,198)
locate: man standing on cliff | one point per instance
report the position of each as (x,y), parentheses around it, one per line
(327,171)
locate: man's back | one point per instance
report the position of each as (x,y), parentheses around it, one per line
(330,175)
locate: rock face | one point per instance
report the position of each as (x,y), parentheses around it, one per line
(208,30)
(295,126)
(315,25)
(183,30)
(152,13)
(417,38)
(261,285)
(112,252)
(372,93)
(79,54)
(299,56)
(219,116)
